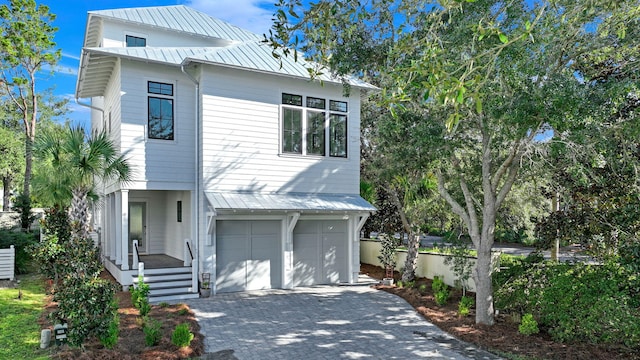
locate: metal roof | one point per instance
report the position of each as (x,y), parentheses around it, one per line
(176,18)
(239,48)
(288,202)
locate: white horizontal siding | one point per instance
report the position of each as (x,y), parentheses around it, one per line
(114,33)
(241,137)
(157,161)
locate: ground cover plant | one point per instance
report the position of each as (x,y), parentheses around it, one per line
(20,307)
(503,338)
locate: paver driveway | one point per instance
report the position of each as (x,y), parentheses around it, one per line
(324,322)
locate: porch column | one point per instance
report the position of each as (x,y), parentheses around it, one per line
(112,227)
(354,245)
(117,227)
(124,230)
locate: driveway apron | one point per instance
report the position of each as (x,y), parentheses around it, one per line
(323,322)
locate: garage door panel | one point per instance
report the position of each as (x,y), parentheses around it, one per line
(248,255)
(320,252)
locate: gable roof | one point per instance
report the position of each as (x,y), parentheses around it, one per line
(231,47)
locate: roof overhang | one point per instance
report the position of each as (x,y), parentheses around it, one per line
(275,202)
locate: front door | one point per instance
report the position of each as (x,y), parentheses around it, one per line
(138,226)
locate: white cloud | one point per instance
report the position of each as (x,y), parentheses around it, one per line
(61,69)
(70,56)
(253,15)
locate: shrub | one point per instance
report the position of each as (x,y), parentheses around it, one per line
(422,288)
(152,333)
(464,306)
(528,325)
(388,253)
(440,290)
(140,296)
(22,241)
(181,336)
(22,205)
(575,302)
(88,306)
(164,304)
(110,338)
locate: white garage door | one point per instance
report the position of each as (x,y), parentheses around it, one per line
(320,252)
(248,255)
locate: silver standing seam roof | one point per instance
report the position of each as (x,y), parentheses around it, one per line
(231,46)
(288,202)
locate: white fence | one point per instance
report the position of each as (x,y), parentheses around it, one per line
(429,264)
(7,263)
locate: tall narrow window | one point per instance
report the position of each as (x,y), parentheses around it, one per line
(135,41)
(160,107)
(315,132)
(292,131)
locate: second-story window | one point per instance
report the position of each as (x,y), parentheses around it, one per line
(135,41)
(306,126)
(160,111)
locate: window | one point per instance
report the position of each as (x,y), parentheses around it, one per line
(160,115)
(179,211)
(135,41)
(305,129)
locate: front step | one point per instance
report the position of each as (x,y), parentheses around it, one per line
(168,284)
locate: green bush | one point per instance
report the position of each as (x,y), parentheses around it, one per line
(110,338)
(465,304)
(140,296)
(422,288)
(575,302)
(440,290)
(152,332)
(181,336)
(22,241)
(87,305)
(528,325)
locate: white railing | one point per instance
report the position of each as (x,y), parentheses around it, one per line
(191,258)
(8,263)
(136,254)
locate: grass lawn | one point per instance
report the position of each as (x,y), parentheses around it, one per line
(19,329)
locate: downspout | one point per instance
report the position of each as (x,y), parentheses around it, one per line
(89,106)
(198,177)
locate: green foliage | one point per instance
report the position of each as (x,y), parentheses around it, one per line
(388,251)
(183,311)
(575,302)
(110,338)
(87,305)
(22,205)
(422,288)
(22,242)
(461,262)
(400,284)
(181,336)
(164,304)
(464,306)
(440,290)
(152,331)
(528,325)
(140,296)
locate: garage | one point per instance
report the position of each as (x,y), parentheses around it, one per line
(320,254)
(248,255)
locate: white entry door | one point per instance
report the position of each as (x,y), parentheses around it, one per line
(138,226)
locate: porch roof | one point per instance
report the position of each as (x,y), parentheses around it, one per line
(303,202)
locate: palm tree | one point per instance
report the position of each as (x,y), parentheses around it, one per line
(73,163)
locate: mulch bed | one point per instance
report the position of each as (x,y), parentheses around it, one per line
(131,343)
(502,337)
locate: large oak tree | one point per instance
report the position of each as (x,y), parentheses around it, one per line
(498,76)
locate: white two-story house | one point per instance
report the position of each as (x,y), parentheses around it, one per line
(244,170)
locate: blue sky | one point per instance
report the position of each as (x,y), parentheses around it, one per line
(254,15)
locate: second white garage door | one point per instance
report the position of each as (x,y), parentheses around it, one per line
(320,252)
(248,255)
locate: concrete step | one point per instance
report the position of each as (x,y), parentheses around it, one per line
(172,298)
(176,270)
(169,284)
(150,279)
(173,290)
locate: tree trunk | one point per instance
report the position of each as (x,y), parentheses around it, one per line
(484,286)
(79,214)
(413,244)
(6,196)
(28,164)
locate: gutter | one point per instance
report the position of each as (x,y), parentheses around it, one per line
(198,156)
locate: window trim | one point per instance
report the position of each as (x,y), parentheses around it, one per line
(172,98)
